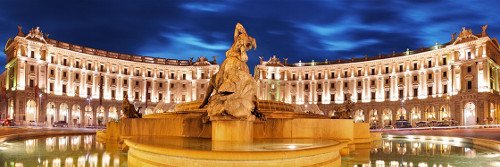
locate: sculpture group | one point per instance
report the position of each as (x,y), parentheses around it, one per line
(233,86)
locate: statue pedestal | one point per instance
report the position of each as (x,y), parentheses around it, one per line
(233,130)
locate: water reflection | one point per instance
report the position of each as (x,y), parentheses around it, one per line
(61,151)
(396,152)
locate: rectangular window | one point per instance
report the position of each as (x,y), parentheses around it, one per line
(333,75)
(401,80)
(125,82)
(172,75)
(429,76)
(113,94)
(77,76)
(445,74)
(307,77)
(125,93)
(149,73)
(293,76)
(160,85)
(160,96)
(32,54)
(332,97)
(171,86)
(77,64)
(469,69)
(319,76)
(113,81)
(183,86)
(136,72)
(445,89)
(387,95)
(429,64)
(373,71)
(359,96)
(386,81)
(415,78)
(469,55)
(64,88)
(51,72)
(65,62)
(51,88)
(400,68)
(373,95)
(161,75)
(345,84)
(429,91)
(332,85)
(415,65)
(319,86)
(345,74)
(386,70)
(102,68)
(136,83)
(272,76)
(64,74)
(32,83)
(319,98)
(306,87)
(89,77)
(373,83)
(136,96)
(359,72)
(183,76)
(401,92)
(469,85)
(89,92)
(89,66)
(415,92)
(32,68)
(359,83)
(444,61)
(125,71)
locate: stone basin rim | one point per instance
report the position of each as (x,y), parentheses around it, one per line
(235,155)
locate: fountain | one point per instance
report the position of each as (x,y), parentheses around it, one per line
(232,127)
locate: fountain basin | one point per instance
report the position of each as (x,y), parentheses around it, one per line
(180,151)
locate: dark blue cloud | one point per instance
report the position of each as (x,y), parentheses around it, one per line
(299,30)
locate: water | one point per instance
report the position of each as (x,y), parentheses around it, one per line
(77,150)
(403,152)
(84,150)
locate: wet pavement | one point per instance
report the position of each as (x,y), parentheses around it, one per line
(486,133)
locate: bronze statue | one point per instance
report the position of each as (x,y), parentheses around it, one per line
(235,89)
(129,109)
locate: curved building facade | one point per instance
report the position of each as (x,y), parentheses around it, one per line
(46,80)
(456,82)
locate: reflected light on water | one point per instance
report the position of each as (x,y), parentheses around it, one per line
(105,159)
(81,161)
(68,162)
(50,144)
(75,143)
(63,143)
(30,145)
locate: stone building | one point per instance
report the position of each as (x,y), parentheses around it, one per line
(458,81)
(48,80)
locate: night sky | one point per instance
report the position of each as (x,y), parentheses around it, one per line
(298,30)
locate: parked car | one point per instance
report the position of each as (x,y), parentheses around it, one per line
(9,122)
(442,124)
(60,124)
(422,124)
(32,123)
(388,127)
(402,124)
